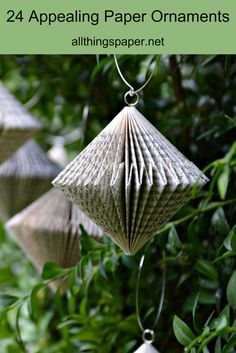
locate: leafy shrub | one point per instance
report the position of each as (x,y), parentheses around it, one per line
(191,99)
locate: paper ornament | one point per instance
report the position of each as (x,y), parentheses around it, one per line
(16,124)
(130,180)
(25,176)
(49,229)
(146,348)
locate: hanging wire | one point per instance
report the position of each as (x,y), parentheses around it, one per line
(159,310)
(121,75)
(132,92)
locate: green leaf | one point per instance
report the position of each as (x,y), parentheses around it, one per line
(86,347)
(58,299)
(223,181)
(128,324)
(206,268)
(71,304)
(195,323)
(230,346)
(225,312)
(86,244)
(7,300)
(33,300)
(230,241)
(129,346)
(225,256)
(229,155)
(207,283)
(100,66)
(183,278)
(219,222)
(102,270)
(174,242)
(18,329)
(218,345)
(182,331)
(83,308)
(207,59)
(207,297)
(85,334)
(220,323)
(231,291)
(85,269)
(208,320)
(52,270)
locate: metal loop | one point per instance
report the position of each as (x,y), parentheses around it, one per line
(149,333)
(131,93)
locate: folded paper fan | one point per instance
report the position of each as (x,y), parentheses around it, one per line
(16,124)
(25,176)
(130,180)
(146,348)
(49,229)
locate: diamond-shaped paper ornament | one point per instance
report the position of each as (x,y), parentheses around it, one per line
(16,124)
(25,176)
(146,348)
(48,230)
(130,180)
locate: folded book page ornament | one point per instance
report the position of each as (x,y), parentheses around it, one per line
(48,230)
(16,124)
(130,180)
(25,176)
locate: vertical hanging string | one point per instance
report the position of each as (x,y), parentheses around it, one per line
(149,332)
(132,92)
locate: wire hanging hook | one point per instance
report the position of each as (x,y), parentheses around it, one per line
(148,334)
(132,92)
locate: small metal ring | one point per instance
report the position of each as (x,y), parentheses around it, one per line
(150,333)
(131,94)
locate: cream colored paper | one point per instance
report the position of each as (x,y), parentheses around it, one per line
(146,348)
(49,229)
(130,180)
(25,176)
(16,124)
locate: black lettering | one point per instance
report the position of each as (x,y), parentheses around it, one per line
(157,16)
(12,17)
(225,17)
(108,14)
(33,16)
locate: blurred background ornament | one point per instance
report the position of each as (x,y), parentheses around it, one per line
(48,230)
(16,124)
(25,176)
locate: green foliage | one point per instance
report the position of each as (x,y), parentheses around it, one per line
(191,99)
(182,332)
(231,290)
